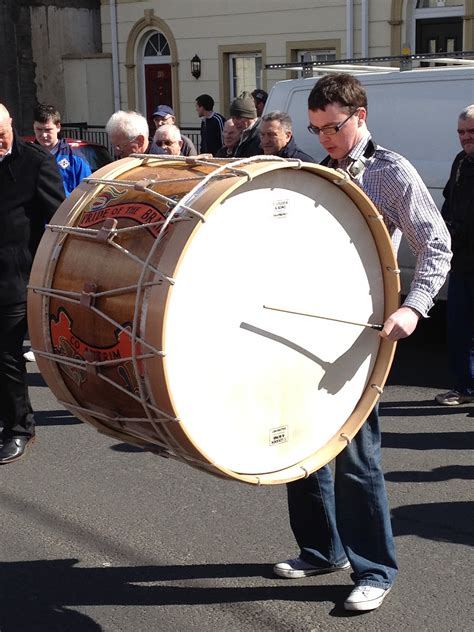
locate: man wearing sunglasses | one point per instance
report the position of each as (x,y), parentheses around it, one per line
(168,139)
(346,521)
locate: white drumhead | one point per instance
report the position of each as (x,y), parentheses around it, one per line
(258,390)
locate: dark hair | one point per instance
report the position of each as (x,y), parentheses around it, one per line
(44,112)
(341,88)
(260,95)
(282,117)
(205,101)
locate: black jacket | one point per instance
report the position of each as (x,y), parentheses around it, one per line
(31,189)
(291,150)
(249,144)
(458,212)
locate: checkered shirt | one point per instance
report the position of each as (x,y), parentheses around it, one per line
(398,192)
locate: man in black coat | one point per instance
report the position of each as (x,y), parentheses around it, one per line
(458,212)
(276,137)
(31,189)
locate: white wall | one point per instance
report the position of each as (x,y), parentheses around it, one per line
(56,31)
(88,89)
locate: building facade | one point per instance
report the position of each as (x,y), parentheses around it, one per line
(152,42)
(35,37)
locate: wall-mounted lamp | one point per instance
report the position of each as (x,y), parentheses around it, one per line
(196,67)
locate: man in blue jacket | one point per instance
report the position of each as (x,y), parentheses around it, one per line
(31,191)
(72,164)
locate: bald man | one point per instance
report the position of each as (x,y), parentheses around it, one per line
(31,191)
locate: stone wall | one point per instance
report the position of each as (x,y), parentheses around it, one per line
(34,36)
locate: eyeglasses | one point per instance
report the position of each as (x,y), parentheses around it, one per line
(330,130)
(162,120)
(166,143)
(121,148)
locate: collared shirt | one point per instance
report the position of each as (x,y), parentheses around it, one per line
(7,153)
(398,192)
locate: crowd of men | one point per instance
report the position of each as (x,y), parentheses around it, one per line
(36,177)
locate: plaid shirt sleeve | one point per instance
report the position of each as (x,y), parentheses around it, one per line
(397,190)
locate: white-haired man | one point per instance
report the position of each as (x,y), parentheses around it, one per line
(128,133)
(168,139)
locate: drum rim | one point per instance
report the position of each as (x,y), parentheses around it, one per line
(198,195)
(386,352)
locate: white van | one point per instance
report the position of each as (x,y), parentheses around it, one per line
(413,112)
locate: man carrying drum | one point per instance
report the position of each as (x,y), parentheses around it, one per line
(346,521)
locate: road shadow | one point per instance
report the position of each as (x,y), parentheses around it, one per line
(126,447)
(430,521)
(59,417)
(439,474)
(40,596)
(429,440)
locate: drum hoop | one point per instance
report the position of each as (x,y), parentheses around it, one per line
(250,169)
(391,285)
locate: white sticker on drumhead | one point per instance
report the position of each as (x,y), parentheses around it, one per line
(278,435)
(280,208)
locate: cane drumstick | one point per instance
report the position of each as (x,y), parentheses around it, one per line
(336,320)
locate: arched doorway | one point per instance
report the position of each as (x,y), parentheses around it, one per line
(155,68)
(151,43)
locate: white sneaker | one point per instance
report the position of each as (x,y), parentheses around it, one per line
(29,356)
(366,598)
(292,569)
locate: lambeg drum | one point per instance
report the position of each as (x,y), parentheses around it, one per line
(217,312)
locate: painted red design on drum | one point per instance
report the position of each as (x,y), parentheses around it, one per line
(141,213)
(66,343)
(105,196)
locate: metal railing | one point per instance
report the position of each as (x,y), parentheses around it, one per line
(97,133)
(404,62)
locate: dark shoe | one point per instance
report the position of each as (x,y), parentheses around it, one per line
(454,398)
(14,448)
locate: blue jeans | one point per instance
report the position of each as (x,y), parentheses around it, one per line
(461,330)
(348,516)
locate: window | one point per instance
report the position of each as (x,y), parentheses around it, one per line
(328,54)
(435,4)
(157,45)
(245,73)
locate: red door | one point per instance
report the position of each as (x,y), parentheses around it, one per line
(157,88)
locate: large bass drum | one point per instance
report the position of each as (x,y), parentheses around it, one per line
(161,311)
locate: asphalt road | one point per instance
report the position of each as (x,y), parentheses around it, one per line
(98,535)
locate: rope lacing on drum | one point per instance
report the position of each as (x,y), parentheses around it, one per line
(346,437)
(144,185)
(344,178)
(377,388)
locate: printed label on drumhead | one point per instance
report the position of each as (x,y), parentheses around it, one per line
(280,208)
(278,435)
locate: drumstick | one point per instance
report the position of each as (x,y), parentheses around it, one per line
(337,320)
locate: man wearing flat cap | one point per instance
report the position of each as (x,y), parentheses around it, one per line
(164,115)
(244,115)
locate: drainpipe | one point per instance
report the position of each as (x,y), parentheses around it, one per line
(115,55)
(349,29)
(364,29)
